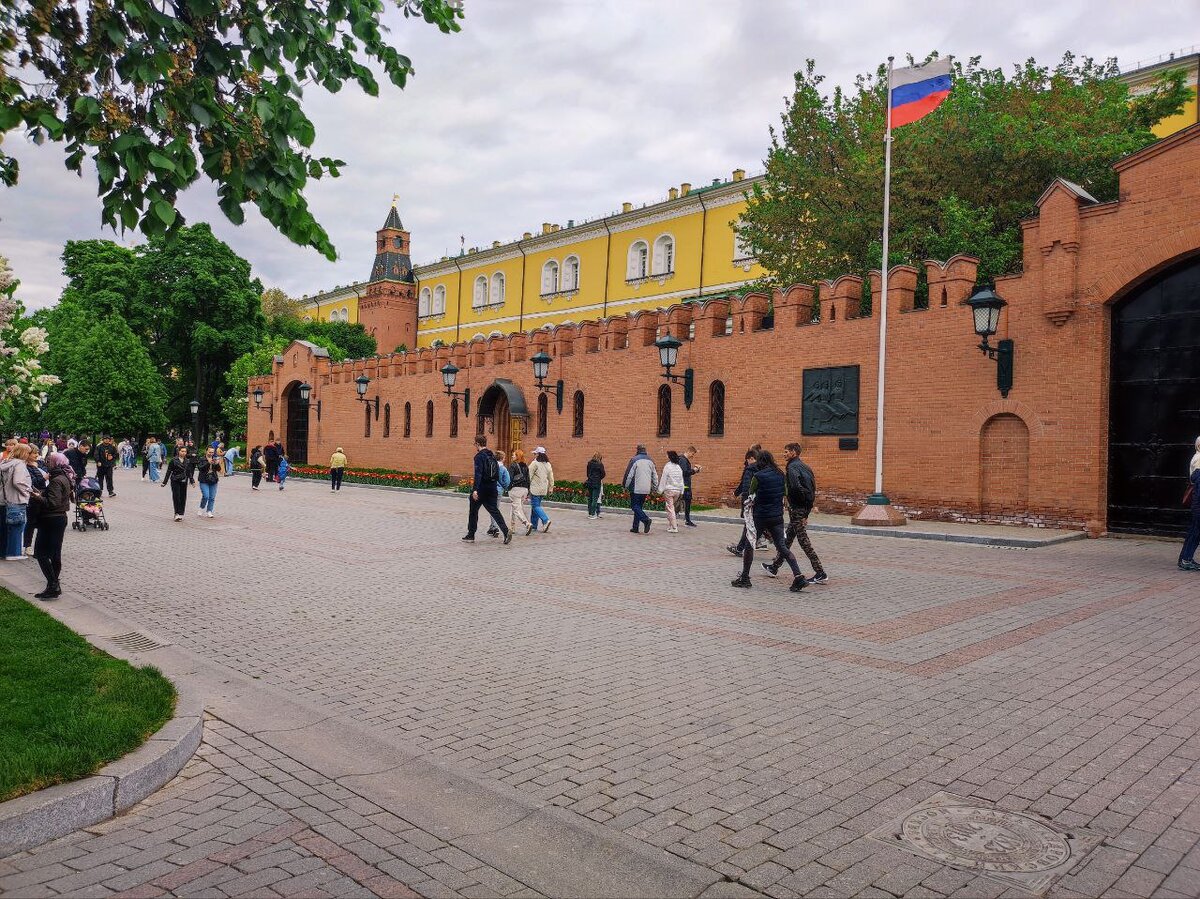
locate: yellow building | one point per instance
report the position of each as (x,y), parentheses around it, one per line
(1141,80)
(337,305)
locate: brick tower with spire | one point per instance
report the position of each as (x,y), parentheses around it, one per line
(388,309)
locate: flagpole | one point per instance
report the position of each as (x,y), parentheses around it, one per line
(883,299)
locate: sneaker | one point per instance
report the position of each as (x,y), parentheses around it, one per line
(798,584)
(179,518)
(280,486)
(732,547)
(199,513)
(762,544)
(470,538)
(507,537)
(647,527)
(546,529)
(111,495)
(672,530)
(48,594)
(819,578)
(492,532)
(210,514)
(690,524)
(253,488)
(1188,565)
(769,570)
(741,581)
(591,518)
(528,530)
(29,551)
(634,530)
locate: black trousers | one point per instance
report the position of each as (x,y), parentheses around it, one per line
(488,500)
(33,514)
(104,476)
(179,496)
(335,478)
(255,477)
(145,464)
(47,548)
(778,533)
(272,469)
(687,503)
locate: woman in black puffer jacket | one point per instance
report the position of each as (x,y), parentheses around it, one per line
(768,487)
(52,524)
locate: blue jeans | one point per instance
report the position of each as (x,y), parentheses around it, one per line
(228,466)
(1190,542)
(594,499)
(15,519)
(538,513)
(636,502)
(154,471)
(208,496)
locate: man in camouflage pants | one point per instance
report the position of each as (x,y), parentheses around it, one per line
(801,495)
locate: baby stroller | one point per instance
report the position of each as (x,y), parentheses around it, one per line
(89,506)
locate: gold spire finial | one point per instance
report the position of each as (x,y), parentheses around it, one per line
(395,199)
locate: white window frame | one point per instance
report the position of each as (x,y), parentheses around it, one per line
(345,314)
(742,250)
(663,262)
(479,294)
(638,261)
(423,302)
(497,295)
(439,300)
(570,273)
(550,274)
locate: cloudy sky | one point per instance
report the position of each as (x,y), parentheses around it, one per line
(549,110)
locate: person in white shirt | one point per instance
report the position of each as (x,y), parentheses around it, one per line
(671,486)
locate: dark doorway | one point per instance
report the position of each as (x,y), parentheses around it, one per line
(297,424)
(503,405)
(1154,415)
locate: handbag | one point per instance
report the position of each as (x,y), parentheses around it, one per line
(1187,495)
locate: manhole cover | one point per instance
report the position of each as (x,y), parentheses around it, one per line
(1018,849)
(135,642)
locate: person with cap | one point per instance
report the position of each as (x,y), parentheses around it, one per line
(641,479)
(541,485)
(106,461)
(337,468)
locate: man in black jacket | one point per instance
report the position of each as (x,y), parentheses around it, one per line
(106,459)
(77,458)
(271,458)
(485,491)
(689,471)
(801,495)
(740,493)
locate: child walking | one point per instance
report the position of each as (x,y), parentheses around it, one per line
(284,468)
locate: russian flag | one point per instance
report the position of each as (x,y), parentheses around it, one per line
(918,91)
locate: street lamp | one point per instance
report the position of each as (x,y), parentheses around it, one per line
(541,368)
(985,306)
(305,390)
(194,405)
(449,375)
(360,385)
(258,398)
(668,357)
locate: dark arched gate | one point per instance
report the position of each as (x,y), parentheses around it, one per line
(297,425)
(1154,416)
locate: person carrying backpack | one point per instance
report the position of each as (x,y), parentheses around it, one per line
(485,492)
(504,483)
(801,487)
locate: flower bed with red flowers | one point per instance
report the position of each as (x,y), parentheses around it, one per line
(381,476)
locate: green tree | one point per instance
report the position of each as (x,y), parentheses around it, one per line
(109,382)
(962,178)
(352,340)
(156,93)
(256,362)
(276,303)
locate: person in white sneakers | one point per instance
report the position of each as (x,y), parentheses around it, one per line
(671,485)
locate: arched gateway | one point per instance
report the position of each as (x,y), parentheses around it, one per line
(1155,401)
(503,405)
(295,416)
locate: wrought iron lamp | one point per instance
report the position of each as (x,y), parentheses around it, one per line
(985,306)
(258,398)
(541,368)
(194,405)
(449,376)
(360,385)
(668,357)
(306,392)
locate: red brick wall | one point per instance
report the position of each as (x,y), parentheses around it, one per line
(954,448)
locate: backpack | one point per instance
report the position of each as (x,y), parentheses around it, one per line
(491,470)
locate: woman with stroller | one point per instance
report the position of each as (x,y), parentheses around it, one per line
(179,475)
(52,523)
(257,467)
(210,478)
(541,485)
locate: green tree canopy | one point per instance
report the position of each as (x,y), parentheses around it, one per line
(156,93)
(276,302)
(962,178)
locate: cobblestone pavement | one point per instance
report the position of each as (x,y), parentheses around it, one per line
(759,734)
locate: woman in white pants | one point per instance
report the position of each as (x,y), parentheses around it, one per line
(518,490)
(671,487)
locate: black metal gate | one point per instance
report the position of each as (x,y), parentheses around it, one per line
(1154,416)
(297,426)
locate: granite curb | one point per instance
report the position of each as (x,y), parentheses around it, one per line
(711,518)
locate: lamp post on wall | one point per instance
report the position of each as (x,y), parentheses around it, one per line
(449,376)
(985,306)
(541,368)
(194,405)
(306,392)
(668,357)
(258,398)
(360,385)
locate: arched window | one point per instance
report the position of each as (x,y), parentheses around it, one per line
(664,255)
(429,419)
(550,278)
(577,415)
(480,298)
(345,314)
(664,410)
(367,428)
(408,419)
(639,261)
(716,409)
(570,276)
(498,289)
(387,419)
(423,302)
(439,300)
(454,417)
(742,248)
(543,409)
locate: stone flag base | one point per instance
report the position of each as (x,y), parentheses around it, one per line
(878,512)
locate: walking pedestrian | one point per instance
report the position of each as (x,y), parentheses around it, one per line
(518,491)
(257,466)
(77,458)
(282,467)
(15,489)
(179,476)
(210,479)
(541,485)
(740,493)
(671,486)
(505,481)
(484,491)
(52,524)
(1187,556)
(33,512)
(595,484)
(154,458)
(641,479)
(337,468)
(690,470)
(106,461)
(271,459)
(231,455)
(801,491)
(765,499)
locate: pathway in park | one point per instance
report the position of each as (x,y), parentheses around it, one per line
(592,712)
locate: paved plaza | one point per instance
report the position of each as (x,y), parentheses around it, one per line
(589,712)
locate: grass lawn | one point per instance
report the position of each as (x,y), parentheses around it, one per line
(67,709)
